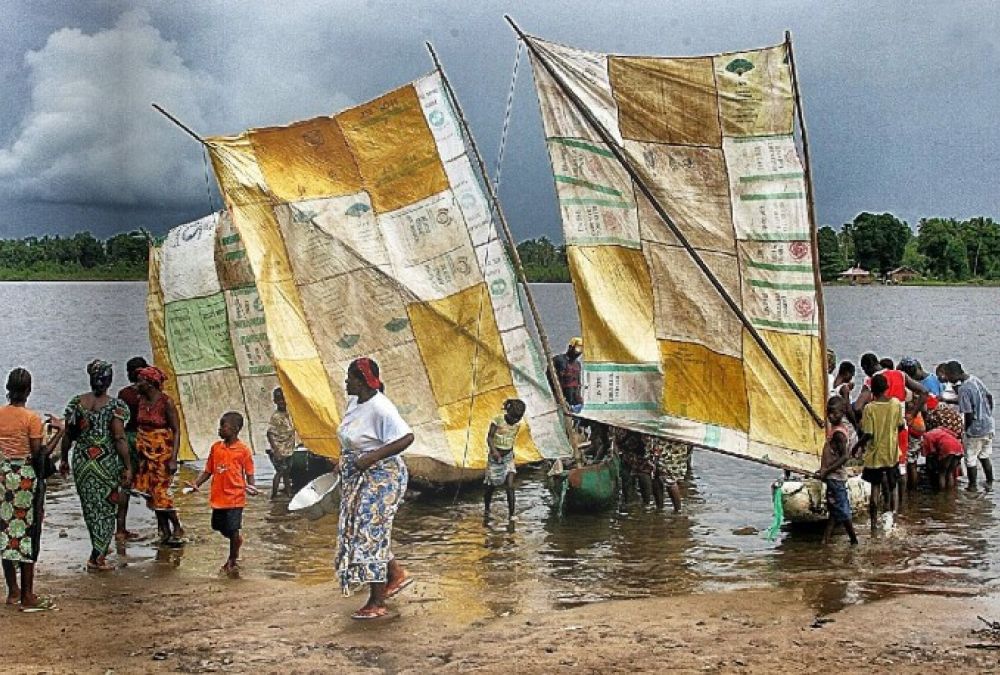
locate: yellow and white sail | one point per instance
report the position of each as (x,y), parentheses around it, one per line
(713,139)
(206,328)
(368,234)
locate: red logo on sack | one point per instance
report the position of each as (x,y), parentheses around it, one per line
(799,249)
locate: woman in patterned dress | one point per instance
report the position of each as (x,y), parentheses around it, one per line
(95,425)
(23,455)
(373,480)
(157,443)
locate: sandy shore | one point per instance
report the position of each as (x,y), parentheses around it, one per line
(130,625)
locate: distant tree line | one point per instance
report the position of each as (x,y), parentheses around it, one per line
(543,261)
(79,257)
(942,248)
(945,249)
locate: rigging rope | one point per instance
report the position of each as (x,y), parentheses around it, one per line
(208,182)
(506,119)
(491,238)
(483,294)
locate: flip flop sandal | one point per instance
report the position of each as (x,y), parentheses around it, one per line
(370,614)
(104,566)
(44,605)
(395,589)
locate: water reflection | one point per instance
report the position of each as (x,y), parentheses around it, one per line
(944,543)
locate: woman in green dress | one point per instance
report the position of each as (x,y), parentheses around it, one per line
(95,427)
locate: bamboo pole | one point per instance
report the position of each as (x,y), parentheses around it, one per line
(180,124)
(813,231)
(619,154)
(509,237)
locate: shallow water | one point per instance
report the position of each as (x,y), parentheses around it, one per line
(942,544)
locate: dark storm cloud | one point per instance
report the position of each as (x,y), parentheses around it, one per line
(899,96)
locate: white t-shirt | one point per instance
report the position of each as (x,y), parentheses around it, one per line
(370,425)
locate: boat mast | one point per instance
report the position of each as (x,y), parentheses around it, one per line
(509,237)
(619,155)
(813,232)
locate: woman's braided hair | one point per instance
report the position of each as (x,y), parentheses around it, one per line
(18,385)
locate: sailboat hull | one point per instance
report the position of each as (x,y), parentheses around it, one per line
(588,489)
(430,474)
(805,501)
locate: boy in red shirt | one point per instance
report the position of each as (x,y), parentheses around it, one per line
(230,468)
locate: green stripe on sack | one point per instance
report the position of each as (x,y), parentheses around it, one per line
(592,241)
(581,145)
(777,236)
(635,405)
(622,367)
(778,267)
(767,323)
(249,323)
(583,201)
(229,239)
(760,283)
(762,137)
(570,180)
(758,178)
(235,255)
(769,196)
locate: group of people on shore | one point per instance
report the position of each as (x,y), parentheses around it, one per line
(129,443)
(114,445)
(902,418)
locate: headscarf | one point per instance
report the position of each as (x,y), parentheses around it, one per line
(153,375)
(100,374)
(368,370)
(576,342)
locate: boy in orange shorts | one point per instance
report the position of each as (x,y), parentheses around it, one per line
(230,468)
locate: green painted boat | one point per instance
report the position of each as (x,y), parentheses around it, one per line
(586,489)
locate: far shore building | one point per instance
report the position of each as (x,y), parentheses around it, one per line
(856,275)
(902,275)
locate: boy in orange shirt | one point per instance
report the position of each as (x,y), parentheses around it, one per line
(230,468)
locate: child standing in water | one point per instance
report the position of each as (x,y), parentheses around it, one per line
(500,456)
(833,469)
(881,422)
(230,468)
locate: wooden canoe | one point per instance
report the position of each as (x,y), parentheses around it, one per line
(586,489)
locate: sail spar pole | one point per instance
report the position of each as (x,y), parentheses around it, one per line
(813,233)
(619,154)
(508,236)
(180,124)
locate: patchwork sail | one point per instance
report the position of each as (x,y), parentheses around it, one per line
(690,245)
(206,328)
(369,234)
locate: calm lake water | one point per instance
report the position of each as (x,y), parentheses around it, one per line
(944,544)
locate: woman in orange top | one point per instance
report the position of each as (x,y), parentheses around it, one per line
(22,489)
(157,443)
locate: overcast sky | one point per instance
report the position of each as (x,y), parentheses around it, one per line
(901,97)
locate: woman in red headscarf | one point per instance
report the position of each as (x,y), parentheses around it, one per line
(373,480)
(157,443)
